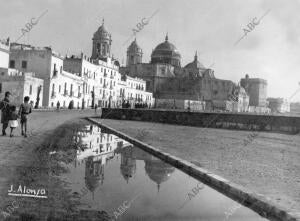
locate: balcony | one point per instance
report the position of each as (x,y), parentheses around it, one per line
(111,76)
(111,87)
(53,95)
(66,93)
(79,95)
(105,74)
(105,85)
(71,93)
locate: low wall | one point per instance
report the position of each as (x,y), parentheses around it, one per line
(286,124)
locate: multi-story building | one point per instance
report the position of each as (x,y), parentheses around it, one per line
(59,85)
(18,83)
(21,84)
(256,88)
(133,90)
(76,81)
(4,56)
(100,79)
(295,108)
(278,105)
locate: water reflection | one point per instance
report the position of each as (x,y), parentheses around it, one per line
(114,171)
(100,148)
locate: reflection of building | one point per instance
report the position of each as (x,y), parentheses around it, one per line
(96,150)
(157,170)
(94,173)
(128,163)
(97,144)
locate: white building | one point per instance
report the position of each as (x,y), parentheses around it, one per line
(4,56)
(59,85)
(133,90)
(100,79)
(21,84)
(78,81)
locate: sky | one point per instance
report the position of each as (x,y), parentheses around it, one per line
(269,49)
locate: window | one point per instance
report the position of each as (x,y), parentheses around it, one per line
(0,87)
(12,63)
(59,89)
(100,80)
(30,90)
(60,69)
(24,64)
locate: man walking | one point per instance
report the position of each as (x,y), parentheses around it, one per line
(5,109)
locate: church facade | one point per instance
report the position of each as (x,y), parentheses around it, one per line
(168,79)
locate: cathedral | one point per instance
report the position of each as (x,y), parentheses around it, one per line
(168,79)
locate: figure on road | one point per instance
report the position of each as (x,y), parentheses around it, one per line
(5,109)
(13,119)
(57,106)
(24,111)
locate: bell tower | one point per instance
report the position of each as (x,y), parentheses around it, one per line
(134,54)
(101,43)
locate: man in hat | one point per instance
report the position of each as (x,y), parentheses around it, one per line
(5,109)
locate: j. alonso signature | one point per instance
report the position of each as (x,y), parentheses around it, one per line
(27,192)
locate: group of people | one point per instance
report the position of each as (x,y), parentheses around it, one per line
(136,105)
(10,116)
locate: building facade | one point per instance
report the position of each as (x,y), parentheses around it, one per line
(278,105)
(168,80)
(75,81)
(133,91)
(21,84)
(256,88)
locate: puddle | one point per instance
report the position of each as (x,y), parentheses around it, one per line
(98,176)
(130,184)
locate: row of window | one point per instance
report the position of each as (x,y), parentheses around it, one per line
(105,71)
(136,86)
(12,64)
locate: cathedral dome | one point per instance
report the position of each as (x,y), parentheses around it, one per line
(134,47)
(102,33)
(196,65)
(167,53)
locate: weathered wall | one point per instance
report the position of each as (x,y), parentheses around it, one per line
(208,119)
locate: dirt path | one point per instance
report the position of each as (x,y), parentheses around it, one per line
(21,164)
(268,165)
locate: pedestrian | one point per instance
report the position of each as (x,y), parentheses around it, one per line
(13,119)
(57,106)
(5,111)
(96,106)
(24,111)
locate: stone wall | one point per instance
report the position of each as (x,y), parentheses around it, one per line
(284,124)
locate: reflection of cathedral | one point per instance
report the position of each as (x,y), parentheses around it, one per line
(100,148)
(94,173)
(157,170)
